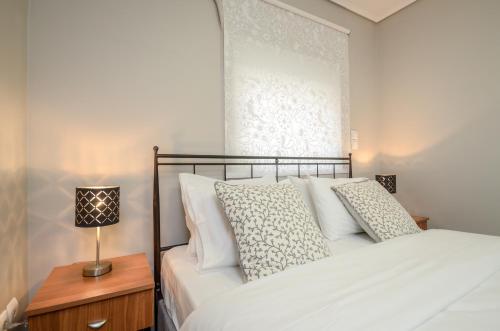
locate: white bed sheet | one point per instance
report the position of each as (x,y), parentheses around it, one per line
(478,310)
(185,289)
(434,280)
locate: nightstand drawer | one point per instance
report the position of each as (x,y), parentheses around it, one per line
(127,312)
(421,221)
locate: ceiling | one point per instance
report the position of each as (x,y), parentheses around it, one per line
(375,10)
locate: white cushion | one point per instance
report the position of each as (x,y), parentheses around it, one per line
(191,247)
(334,219)
(211,234)
(302,185)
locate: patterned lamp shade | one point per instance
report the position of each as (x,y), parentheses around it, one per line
(387,181)
(97,206)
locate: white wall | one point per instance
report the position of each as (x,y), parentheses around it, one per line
(440,102)
(13,229)
(107,81)
(110,79)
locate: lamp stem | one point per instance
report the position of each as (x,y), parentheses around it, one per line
(98,244)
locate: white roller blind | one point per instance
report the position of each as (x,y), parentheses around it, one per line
(286,82)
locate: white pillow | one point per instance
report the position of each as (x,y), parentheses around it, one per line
(213,237)
(302,185)
(191,247)
(334,219)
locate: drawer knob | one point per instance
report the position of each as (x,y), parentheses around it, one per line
(97,324)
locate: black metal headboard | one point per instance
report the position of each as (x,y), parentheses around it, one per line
(224,161)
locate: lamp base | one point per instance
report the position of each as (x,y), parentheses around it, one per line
(94,270)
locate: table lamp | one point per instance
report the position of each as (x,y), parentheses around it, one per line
(95,207)
(387,181)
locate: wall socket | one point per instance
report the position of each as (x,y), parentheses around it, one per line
(12,308)
(3,320)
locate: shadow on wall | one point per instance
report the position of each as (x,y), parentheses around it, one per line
(453,179)
(13,235)
(54,240)
(57,241)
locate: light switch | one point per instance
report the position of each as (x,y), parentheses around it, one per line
(354,140)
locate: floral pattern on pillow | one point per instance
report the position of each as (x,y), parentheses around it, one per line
(376,210)
(273,227)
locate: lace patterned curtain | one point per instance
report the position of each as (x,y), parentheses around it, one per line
(286,83)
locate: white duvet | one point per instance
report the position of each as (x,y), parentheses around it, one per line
(434,280)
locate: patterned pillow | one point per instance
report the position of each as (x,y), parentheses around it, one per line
(376,210)
(273,227)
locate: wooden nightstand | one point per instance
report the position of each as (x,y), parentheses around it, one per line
(421,221)
(119,300)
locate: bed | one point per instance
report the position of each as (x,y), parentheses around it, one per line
(184,289)
(434,280)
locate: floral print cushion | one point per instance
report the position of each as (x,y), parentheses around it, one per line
(273,227)
(376,210)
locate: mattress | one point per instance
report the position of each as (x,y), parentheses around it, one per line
(184,288)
